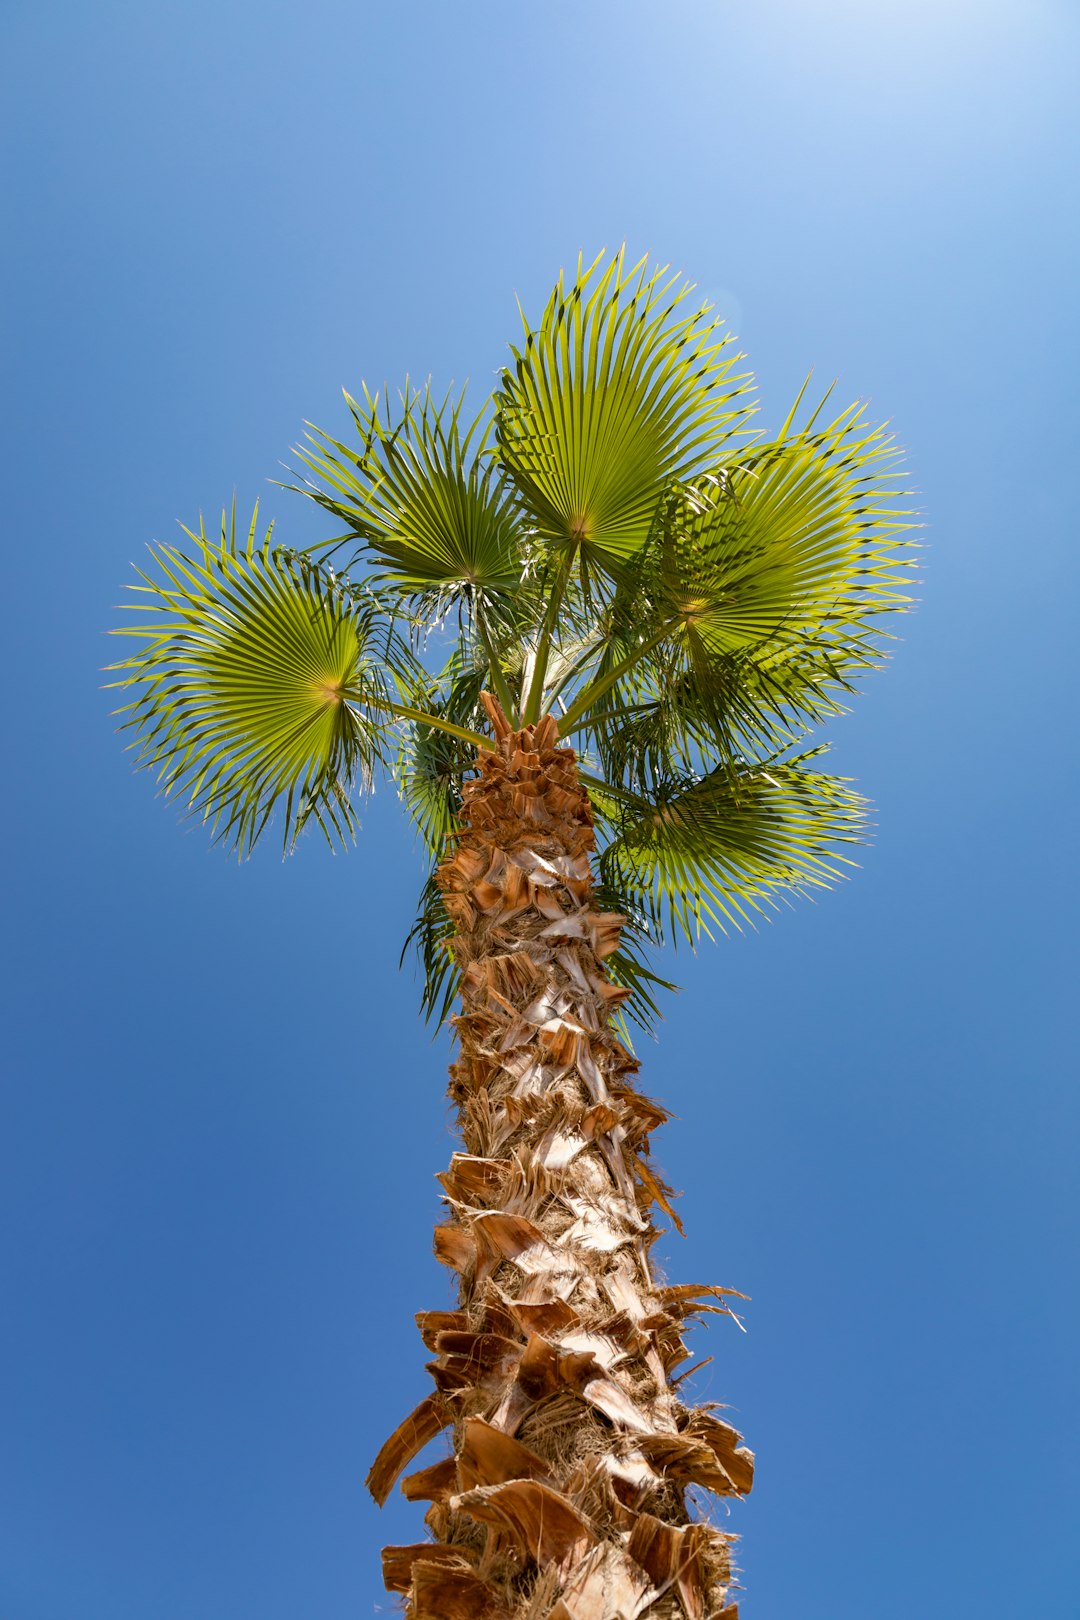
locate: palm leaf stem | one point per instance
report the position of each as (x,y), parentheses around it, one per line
(534,701)
(421,717)
(498,676)
(574,665)
(625,794)
(603,683)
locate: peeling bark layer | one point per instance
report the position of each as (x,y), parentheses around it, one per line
(564,1498)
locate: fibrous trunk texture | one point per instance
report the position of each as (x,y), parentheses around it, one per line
(565,1495)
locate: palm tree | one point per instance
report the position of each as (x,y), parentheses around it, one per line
(587,633)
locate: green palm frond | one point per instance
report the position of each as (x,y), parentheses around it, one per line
(712,852)
(424,498)
(672,717)
(431,938)
(656,729)
(432,764)
(789,551)
(613,394)
(628,968)
(258,685)
(753,608)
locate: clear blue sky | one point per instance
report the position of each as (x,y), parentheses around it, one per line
(221,1118)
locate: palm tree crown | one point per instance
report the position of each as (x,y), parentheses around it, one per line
(608,540)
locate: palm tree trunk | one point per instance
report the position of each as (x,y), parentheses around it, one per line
(565,1495)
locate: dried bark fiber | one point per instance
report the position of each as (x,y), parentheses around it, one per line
(565,1495)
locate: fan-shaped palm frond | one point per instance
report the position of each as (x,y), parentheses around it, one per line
(788,551)
(259,685)
(613,394)
(756,602)
(422,496)
(714,851)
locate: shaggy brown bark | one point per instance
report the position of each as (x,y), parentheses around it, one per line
(564,1498)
